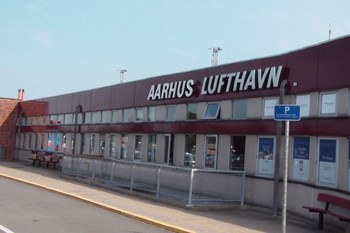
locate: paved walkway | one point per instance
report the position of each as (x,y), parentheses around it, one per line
(172,218)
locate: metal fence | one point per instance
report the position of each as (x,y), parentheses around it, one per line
(189,186)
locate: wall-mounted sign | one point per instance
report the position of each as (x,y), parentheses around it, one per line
(218,84)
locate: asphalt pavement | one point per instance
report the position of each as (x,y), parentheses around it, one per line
(249,219)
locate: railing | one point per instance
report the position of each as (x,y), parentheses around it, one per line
(185,185)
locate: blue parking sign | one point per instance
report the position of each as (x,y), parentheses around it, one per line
(287,113)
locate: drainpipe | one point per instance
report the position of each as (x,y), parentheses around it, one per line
(279,127)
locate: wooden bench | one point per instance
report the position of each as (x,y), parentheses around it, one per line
(45,157)
(330,202)
(54,159)
(37,156)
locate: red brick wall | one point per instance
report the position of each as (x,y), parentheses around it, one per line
(8,119)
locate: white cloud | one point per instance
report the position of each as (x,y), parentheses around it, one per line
(44,38)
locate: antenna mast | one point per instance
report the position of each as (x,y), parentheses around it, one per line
(122,71)
(215,55)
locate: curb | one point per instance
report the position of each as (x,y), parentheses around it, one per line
(128,214)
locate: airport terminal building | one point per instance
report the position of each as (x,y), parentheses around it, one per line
(215,118)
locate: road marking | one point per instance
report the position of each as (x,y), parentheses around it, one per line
(5,230)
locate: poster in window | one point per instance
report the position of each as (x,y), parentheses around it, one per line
(301,154)
(327,161)
(266,156)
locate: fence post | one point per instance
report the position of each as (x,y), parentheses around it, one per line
(158,181)
(190,192)
(93,169)
(242,188)
(112,172)
(78,167)
(132,177)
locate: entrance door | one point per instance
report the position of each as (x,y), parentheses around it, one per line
(168,149)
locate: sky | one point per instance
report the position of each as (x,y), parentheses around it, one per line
(54,47)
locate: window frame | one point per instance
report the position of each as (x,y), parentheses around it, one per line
(269,113)
(188,112)
(170,113)
(206,116)
(321,104)
(234,116)
(138,114)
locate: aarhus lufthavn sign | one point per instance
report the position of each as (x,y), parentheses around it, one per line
(218,84)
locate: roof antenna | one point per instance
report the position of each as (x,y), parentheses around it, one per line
(215,55)
(122,71)
(329,32)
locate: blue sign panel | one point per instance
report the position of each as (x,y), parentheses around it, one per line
(301,148)
(287,113)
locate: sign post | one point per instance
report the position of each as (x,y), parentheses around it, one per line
(286,113)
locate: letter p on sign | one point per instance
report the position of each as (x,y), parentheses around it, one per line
(286,109)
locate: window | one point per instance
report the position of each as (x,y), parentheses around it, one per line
(102,145)
(24,121)
(23,140)
(53,119)
(191,111)
(211,151)
(68,119)
(169,149)
(304,102)
(212,111)
(237,153)
(152,145)
(57,141)
(29,141)
(124,146)
(42,139)
(151,114)
(92,144)
(94,117)
(114,116)
(239,109)
(301,158)
(82,143)
(328,104)
(81,118)
(64,142)
(45,120)
(106,116)
(60,119)
(126,115)
(112,145)
(269,107)
(35,141)
(139,114)
(49,142)
(138,147)
(72,143)
(327,162)
(190,151)
(87,119)
(170,113)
